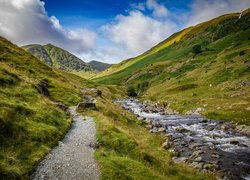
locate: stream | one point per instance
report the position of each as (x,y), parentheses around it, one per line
(207,145)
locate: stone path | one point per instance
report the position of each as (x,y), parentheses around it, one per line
(73,157)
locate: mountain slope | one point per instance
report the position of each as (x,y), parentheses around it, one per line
(99,66)
(179,45)
(31,123)
(57,57)
(214,79)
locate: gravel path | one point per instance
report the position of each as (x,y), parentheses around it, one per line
(73,157)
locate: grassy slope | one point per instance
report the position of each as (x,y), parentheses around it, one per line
(57,57)
(99,66)
(127,150)
(30,123)
(182,81)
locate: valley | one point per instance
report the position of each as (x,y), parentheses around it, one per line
(181,110)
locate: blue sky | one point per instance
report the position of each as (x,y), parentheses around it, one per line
(95,13)
(105,30)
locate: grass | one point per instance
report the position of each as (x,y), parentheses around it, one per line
(30,123)
(127,150)
(216,80)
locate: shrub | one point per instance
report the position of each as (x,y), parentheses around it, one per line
(131,91)
(197,49)
(141,87)
(241,53)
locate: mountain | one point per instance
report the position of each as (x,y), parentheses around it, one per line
(31,120)
(205,66)
(57,57)
(99,66)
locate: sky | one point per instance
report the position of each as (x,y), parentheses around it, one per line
(105,30)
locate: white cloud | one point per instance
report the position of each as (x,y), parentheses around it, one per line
(26,21)
(146,24)
(137,33)
(158,9)
(205,10)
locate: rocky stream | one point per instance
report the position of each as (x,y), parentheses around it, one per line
(207,145)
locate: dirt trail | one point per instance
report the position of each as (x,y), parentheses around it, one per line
(73,157)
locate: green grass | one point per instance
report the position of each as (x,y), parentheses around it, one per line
(216,80)
(30,123)
(127,150)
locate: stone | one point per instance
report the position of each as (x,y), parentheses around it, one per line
(86,105)
(180,160)
(211,167)
(99,93)
(198,159)
(161,129)
(62,106)
(215,155)
(195,154)
(197,165)
(166,144)
(193,146)
(181,129)
(42,88)
(243,129)
(94,145)
(234,142)
(149,126)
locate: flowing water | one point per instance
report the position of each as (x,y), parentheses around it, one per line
(208,145)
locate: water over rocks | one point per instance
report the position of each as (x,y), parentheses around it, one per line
(207,145)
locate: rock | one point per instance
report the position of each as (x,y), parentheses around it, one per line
(193,146)
(62,106)
(224,127)
(198,159)
(181,129)
(242,145)
(215,155)
(166,144)
(198,110)
(180,160)
(204,121)
(234,142)
(195,154)
(243,129)
(149,126)
(86,105)
(153,130)
(211,167)
(197,165)
(161,129)
(99,93)
(42,87)
(94,145)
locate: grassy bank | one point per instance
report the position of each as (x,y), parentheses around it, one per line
(30,123)
(127,150)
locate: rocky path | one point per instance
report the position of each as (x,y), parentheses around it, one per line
(73,157)
(207,145)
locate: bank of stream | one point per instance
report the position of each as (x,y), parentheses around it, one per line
(207,145)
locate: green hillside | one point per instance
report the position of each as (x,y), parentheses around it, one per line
(57,57)
(215,77)
(99,66)
(31,123)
